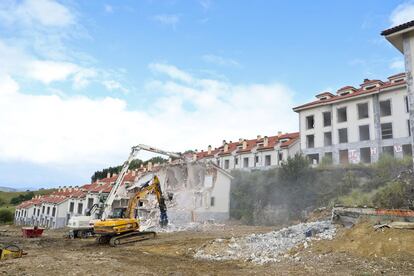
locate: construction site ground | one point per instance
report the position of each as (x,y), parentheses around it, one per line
(356,251)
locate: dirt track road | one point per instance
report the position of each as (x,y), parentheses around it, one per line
(171,254)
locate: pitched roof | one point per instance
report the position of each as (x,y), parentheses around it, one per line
(358,92)
(398,28)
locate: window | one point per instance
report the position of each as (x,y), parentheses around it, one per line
(310,122)
(280,155)
(257,159)
(43,209)
(407,106)
(48,210)
(226,164)
(343,157)
(407,150)
(409,127)
(268,160)
(363,110)
(80,207)
(327,139)
(53,211)
(386,131)
(343,135)
(385,108)
(310,141)
(38,212)
(364,133)
(389,150)
(218,162)
(212,201)
(246,162)
(313,158)
(326,119)
(365,154)
(342,116)
(71,207)
(90,203)
(236,160)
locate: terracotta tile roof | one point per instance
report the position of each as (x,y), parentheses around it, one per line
(251,144)
(358,92)
(398,28)
(293,137)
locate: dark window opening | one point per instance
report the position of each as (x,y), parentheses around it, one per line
(342,116)
(327,119)
(313,158)
(80,207)
(327,138)
(386,131)
(212,201)
(226,164)
(310,122)
(267,160)
(364,133)
(407,106)
(343,135)
(71,207)
(365,154)
(385,108)
(328,157)
(246,162)
(310,141)
(407,150)
(363,110)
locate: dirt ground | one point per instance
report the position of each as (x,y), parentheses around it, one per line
(358,251)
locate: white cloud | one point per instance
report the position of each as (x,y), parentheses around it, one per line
(114,85)
(206,4)
(184,115)
(397,65)
(218,60)
(49,71)
(171,71)
(108,8)
(48,13)
(167,19)
(402,14)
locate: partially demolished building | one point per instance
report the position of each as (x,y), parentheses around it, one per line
(200,192)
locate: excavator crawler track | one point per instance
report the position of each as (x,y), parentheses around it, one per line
(131,237)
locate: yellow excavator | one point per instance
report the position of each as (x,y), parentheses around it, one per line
(125,228)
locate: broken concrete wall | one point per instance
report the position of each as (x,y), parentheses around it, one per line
(348,216)
(201,192)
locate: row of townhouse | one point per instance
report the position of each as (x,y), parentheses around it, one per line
(260,153)
(357,125)
(55,210)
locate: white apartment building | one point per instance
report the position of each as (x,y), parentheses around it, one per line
(54,210)
(357,124)
(260,153)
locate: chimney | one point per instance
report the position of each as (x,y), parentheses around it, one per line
(194,156)
(265,141)
(209,149)
(279,133)
(240,140)
(149,166)
(108,175)
(366,80)
(114,174)
(226,147)
(224,142)
(244,144)
(259,137)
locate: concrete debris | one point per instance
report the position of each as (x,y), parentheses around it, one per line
(396,225)
(269,247)
(199,193)
(191,226)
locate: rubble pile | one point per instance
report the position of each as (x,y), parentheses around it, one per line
(269,247)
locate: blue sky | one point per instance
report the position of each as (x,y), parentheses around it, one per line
(83,81)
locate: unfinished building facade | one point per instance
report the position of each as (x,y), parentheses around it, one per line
(357,125)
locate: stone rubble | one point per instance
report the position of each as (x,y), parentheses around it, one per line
(268,247)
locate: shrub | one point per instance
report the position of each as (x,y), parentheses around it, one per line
(391,196)
(6,216)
